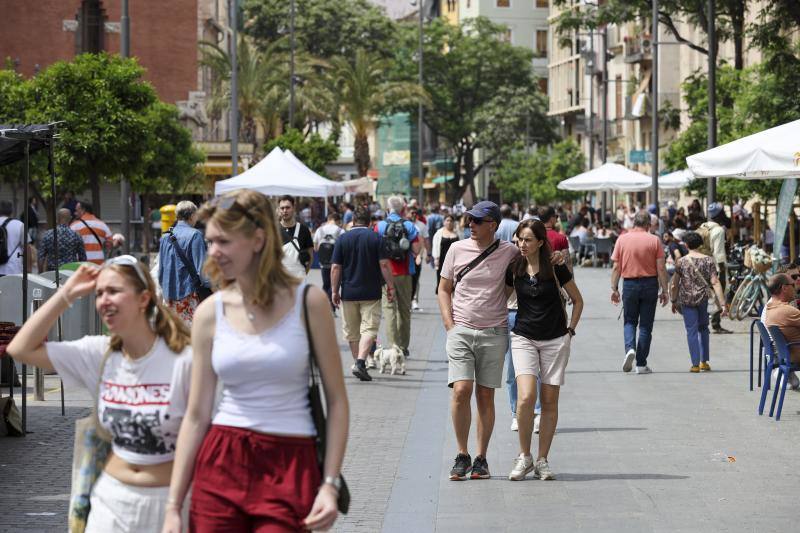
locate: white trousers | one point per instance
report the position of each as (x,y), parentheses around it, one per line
(118,507)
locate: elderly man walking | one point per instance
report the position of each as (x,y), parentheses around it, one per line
(181,254)
(472,301)
(639,259)
(401,244)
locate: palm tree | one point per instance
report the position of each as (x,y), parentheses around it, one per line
(364,93)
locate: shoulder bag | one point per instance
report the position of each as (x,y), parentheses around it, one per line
(318,411)
(202,291)
(89,457)
(475,262)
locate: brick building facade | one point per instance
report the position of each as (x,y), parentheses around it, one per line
(164,36)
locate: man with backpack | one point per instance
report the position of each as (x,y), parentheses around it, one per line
(11,241)
(714,236)
(401,244)
(324,240)
(298,245)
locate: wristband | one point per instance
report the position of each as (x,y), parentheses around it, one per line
(335,482)
(571,331)
(65,298)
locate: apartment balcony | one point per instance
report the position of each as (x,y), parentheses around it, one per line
(638,48)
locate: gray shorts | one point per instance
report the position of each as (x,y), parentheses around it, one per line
(476,355)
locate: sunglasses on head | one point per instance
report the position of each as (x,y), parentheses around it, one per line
(229,203)
(127,260)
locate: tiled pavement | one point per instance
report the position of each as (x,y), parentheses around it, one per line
(633,453)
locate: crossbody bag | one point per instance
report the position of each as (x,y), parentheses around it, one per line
(318,411)
(475,262)
(202,291)
(102,248)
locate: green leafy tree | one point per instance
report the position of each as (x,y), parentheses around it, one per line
(313,150)
(534,177)
(169,161)
(323,28)
(103,102)
(483,93)
(364,93)
(754,99)
(14,101)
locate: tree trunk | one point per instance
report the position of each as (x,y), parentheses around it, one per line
(737,21)
(94,185)
(452,187)
(469,171)
(361,154)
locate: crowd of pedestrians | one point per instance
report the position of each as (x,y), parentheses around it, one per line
(507,296)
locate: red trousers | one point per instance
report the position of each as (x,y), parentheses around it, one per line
(249,481)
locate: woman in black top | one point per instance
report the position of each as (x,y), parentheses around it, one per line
(540,341)
(441,242)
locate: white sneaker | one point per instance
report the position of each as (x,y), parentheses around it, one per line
(644,370)
(543,471)
(523,465)
(536,420)
(627,364)
(794,381)
(353,367)
(514,426)
(371,362)
(414,305)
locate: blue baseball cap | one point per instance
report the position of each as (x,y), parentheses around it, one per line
(485,209)
(714,209)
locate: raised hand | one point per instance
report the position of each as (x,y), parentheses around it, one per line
(82,282)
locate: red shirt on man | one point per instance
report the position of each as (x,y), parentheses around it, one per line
(558,241)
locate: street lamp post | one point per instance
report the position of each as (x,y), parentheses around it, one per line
(234,126)
(654,80)
(712,92)
(291,64)
(421,4)
(125,186)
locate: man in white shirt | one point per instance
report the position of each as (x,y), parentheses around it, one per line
(324,240)
(14,230)
(717,235)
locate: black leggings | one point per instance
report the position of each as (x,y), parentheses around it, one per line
(415,281)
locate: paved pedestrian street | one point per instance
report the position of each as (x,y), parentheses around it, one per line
(671,451)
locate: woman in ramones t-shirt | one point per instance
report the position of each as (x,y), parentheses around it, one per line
(140,375)
(540,341)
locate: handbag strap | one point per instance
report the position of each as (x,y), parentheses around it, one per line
(560,295)
(97,238)
(312,353)
(475,262)
(185,260)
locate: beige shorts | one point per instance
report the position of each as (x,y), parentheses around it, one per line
(545,359)
(361,319)
(476,355)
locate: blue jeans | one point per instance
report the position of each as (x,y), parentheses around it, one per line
(511,380)
(696,321)
(639,300)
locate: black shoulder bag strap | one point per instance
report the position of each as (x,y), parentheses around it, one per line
(317,410)
(196,281)
(475,262)
(3,226)
(102,248)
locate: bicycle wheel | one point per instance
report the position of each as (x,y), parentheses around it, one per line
(738,297)
(749,300)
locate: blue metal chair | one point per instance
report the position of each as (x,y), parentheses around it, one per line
(785,366)
(771,363)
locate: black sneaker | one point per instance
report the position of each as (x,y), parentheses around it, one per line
(406,353)
(360,371)
(480,468)
(461,467)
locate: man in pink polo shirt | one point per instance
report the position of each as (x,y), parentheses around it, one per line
(639,259)
(473,306)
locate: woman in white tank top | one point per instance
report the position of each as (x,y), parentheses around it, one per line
(254,466)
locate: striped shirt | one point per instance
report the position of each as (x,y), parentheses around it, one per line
(94,249)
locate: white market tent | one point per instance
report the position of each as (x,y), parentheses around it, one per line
(610,176)
(772,153)
(276,174)
(674,180)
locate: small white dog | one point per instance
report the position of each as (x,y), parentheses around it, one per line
(391,357)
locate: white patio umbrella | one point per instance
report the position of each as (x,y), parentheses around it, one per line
(674,180)
(772,153)
(610,176)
